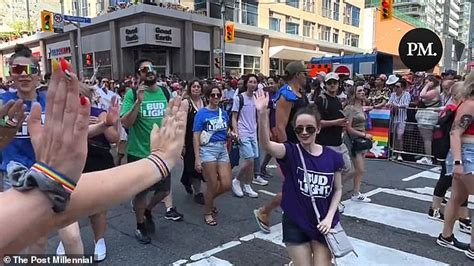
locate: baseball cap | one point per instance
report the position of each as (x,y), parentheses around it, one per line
(331,75)
(295,67)
(234,83)
(322,74)
(449,72)
(392,79)
(349,82)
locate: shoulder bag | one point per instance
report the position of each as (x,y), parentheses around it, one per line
(337,240)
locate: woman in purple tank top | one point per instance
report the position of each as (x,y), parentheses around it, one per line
(302,234)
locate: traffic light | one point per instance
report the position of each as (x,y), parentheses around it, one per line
(229,32)
(386,9)
(89,60)
(47,21)
(217,62)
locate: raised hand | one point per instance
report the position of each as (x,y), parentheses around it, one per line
(12,115)
(140,93)
(113,114)
(168,141)
(261,101)
(61,143)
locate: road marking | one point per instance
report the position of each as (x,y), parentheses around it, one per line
(433,173)
(211,261)
(430,191)
(267,192)
(213,251)
(179,262)
(399,218)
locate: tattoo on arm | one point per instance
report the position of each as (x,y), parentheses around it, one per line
(463,123)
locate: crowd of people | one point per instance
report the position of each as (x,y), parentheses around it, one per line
(315,128)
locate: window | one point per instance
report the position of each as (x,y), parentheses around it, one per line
(275,24)
(351,39)
(324,33)
(201,64)
(308,28)
(249,14)
(335,14)
(293,3)
(292,28)
(251,64)
(308,6)
(335,36)
(326,8)
(102,58)
(233,64)
(352,15)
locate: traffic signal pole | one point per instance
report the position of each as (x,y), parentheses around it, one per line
(223,38)
(79,45)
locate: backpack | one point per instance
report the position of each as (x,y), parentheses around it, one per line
(441,138)
(166,92)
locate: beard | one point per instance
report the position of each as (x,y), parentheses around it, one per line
(150,79)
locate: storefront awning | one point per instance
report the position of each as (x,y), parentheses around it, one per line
(295,54)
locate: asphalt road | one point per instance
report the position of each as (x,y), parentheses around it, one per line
(393,229)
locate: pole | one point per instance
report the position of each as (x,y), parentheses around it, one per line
(79,44)
(62,7)
(223,37)
(28,25)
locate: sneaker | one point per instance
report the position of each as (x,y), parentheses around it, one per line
(199,198)
(469,253)
(249,191)
(236,188)
(60,250)
(435,214)
(399,158)
(341,207)
(261,224)
(150,224)
(360,198)
(424,160)
(173,214)
(452,243)
(259,181)
(142,237)
(100,250)
(465,225)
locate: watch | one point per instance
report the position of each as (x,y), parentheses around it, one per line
(457,162)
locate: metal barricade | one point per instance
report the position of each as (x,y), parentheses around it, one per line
(411,133)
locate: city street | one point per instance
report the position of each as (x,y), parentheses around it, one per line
(392,229)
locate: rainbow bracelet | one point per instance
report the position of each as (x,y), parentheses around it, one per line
(54,175)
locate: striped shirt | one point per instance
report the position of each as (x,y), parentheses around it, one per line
(400,101)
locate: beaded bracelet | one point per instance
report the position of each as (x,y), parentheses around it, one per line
(54,175)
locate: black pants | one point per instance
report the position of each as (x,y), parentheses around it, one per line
(444,183)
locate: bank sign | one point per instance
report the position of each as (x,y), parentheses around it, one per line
(146,33)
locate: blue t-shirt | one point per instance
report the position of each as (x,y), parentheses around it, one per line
(20,149)
(296,201)
(209,120)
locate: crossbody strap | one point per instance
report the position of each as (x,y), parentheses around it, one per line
(306,179)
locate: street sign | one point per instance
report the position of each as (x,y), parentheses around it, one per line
(77,19)
(58,23)
(217,51)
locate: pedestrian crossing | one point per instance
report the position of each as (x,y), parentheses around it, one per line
(381,212)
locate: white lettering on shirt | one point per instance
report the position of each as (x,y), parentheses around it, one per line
(153,109)
(318,186)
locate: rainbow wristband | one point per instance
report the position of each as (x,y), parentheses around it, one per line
(54,175)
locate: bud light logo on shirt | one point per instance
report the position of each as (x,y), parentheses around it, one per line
(420,49)
(215,124)
(23,132)
(320,184)
(152,109)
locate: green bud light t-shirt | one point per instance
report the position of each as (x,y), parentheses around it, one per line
(151,111)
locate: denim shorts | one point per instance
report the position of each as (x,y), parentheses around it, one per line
(467,155)
(214,152)
(248,148)
(293,234)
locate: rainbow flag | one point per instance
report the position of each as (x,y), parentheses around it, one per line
(379,128)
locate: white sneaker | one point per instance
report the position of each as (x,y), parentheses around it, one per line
(399,158)
(360,198)
(236,188)
(424,160)
(260,181)
(60,250)
(100,250)
(249,191)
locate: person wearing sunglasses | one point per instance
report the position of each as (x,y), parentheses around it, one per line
(210,151)
(142,108)
(288,100)
(302,234)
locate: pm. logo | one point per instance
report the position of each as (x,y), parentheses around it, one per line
(420,49)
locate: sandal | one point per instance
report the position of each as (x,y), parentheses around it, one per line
(214,210)
(211,221)
(261,224)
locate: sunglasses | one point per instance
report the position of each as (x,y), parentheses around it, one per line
(215,95)
(332,82)
(18,69)
(309,129)
(146,69)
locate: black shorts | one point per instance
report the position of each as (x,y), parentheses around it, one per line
(163,185)
(293,234)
